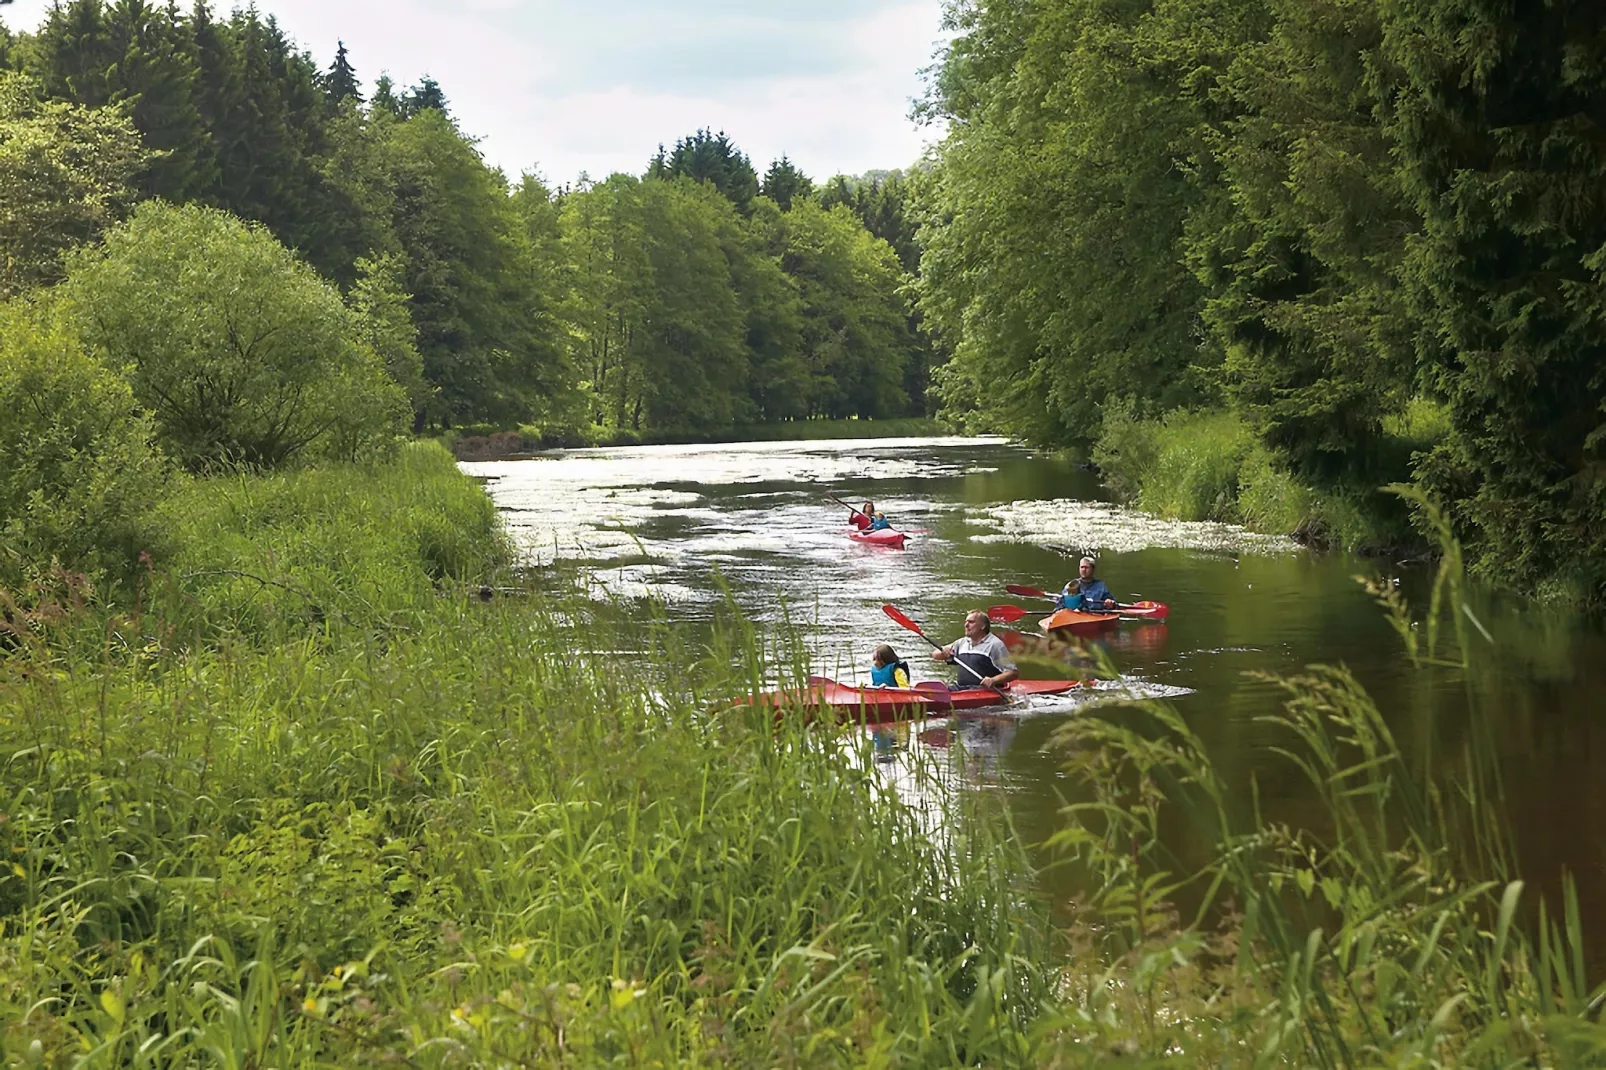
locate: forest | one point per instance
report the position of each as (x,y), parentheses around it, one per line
(691,297)
(1263,258)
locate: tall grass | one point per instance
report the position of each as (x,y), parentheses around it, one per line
(459,838)
(1395,936)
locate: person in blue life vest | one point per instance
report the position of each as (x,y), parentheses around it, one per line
(888,671)
(1086,593)
(981,657)
(880,522)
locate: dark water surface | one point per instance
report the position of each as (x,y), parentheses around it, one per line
(670,522)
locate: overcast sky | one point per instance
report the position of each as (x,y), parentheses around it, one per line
(563,86)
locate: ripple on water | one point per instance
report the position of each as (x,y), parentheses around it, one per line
(1069,524)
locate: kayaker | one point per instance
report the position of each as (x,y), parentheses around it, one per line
(1086,593)
(880,523)
(862,520)
(888,670)
(981,657)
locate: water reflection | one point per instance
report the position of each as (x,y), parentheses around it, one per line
(681,525)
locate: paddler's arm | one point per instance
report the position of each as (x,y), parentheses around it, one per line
(1008,676)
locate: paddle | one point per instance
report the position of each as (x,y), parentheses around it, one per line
(903,621)
(1136,610)
(849,508)
(1005,614)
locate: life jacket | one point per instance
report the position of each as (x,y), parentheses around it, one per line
(974,667)
(887,675)
(880,523)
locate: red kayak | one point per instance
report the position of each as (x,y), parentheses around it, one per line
(1075,622)
(884,537)
(877,704)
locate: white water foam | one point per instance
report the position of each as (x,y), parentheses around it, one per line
(1077,526)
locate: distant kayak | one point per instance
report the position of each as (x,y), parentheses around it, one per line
(878,704)
(1075,622)
(884,537)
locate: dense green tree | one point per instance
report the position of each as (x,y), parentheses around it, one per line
(67,172)
(240,351)
(427,95)
(78,465)
(489,341)
(385,99)
(1301,273)
(340,80)
(712,158)
(856,335)
(1497,125)
(785,183)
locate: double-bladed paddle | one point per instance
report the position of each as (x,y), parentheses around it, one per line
(845,505)
(903,621)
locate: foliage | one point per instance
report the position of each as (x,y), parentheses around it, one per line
(785,183)
(714,159)
(78,468)
(67,173)
(445,826)
(241,352)
(338,546)
(1318,214)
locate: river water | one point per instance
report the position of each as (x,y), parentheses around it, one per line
(680,524)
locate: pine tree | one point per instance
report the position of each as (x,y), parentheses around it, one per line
(711,158)
(385,99)
(157,72)
(340,81)
(425,96)
(784,183)
(73,52)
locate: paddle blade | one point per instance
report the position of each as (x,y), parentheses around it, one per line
(1012,640)
(901,619)
(1026,592)
(934,686)
(1005,614)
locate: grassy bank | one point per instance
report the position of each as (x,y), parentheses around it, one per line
(1210,466)
(478,443)
(410,827)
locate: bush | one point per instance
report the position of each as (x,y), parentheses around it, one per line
(1185,466)
(78,471)
(241,351)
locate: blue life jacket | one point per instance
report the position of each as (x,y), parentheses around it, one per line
(887,675)
(879,524)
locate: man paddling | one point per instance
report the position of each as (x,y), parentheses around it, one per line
(982,658)
(1086,592)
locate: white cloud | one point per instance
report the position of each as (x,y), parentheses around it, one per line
(596,87)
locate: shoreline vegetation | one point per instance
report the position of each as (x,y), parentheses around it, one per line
(299,797)
(486,444)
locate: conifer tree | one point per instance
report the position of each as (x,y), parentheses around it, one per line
(385,99)
(711,158)
(425,96)
(156,71)
(784,183)
(340,81)
(72,53)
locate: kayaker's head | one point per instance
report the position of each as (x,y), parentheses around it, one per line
(1085,571)
(884,656)
(869,509)
(977,624)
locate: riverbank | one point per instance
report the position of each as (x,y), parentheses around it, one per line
(489,444)
(310,801)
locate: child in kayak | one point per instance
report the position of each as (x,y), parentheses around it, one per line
(880,523)
(1085,593)
(863,519)
(888,670)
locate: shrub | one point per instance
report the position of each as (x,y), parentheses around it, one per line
(240,350)
(77,467)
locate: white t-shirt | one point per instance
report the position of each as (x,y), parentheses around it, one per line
(990,646)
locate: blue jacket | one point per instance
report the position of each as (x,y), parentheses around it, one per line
(1092,596)
(879,524)
(887,675)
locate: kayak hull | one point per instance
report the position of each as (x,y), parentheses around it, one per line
(1074,622)
(884,537)
(877,704)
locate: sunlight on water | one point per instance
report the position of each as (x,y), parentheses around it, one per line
(1083,526)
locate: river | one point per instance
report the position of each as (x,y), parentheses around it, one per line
(678,523)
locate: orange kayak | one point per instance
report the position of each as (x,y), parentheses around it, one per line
(1075,622)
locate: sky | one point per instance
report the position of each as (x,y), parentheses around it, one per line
(563,87)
